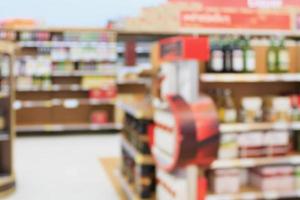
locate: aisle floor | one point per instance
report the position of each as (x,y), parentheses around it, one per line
(64,167)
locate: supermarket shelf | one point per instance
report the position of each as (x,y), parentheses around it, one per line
(139,111)
(230,78)
(67,103)
(67,127)
(138,157)
(253,162)
(64,44)
(242,127)
(253,194)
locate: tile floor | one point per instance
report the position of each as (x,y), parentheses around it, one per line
(63,167)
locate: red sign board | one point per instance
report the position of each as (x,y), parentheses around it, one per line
(253,20)
(245,3)
(184,48)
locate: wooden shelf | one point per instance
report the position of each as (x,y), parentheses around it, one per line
(67,127)
(242,127)
(67,103)
(135,154)
(139,110)
(253,162)
(253,194)
(251,78)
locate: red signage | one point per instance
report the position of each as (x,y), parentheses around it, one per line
(184,48)
(245,3)
(253,20)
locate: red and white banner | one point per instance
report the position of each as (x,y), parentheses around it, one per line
(222,19)
(245,3)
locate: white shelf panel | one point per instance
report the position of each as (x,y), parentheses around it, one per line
(251,78)
(252,162)
(243,127)
(253,195)
(81,73)
(67,127)
(66,44)
(67,103)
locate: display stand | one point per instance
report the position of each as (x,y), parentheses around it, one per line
(7,118)
(178,179)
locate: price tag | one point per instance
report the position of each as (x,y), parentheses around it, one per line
(71,103)
(249,196)
(280,125)
(288,77)
(295,160)
(271,195)
(271,78)
(17,105)
(94,127)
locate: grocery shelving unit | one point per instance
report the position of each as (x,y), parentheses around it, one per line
(53,94)
(7,118)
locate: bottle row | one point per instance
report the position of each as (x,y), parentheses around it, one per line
(142,177)
(283,178)
(245,55)
(255,108)
(57,36)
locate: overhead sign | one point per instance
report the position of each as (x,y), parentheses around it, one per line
(245,3)
(222,19)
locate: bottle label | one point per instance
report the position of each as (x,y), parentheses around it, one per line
(284,60)
(250,61)
(217,61)
(237,60)
(271,60)
(230,115)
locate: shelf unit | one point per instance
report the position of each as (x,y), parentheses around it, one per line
(7,118)
(60,46)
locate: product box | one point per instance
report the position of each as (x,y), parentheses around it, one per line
(229,147)
(273,178)
(99,117)
(277,143)
(252,109)
(225,181)
(251,144)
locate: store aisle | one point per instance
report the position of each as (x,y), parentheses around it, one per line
(64,167)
